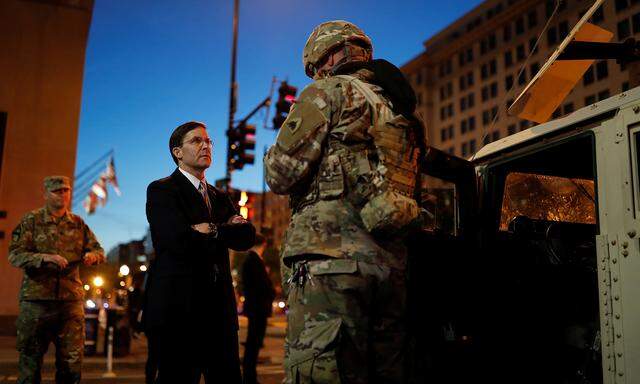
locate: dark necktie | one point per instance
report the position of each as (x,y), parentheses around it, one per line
(203,191)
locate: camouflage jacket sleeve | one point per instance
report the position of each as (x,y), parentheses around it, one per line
(22,247)
(300,140)
(91,244)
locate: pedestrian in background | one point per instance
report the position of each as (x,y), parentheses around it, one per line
(258,299)
(49,244)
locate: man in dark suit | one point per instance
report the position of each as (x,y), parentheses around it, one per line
(258,298)
(190,311)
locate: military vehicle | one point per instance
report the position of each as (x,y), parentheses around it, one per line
(528,270)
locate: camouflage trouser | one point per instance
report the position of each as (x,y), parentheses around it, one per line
(346,323)
(42,322)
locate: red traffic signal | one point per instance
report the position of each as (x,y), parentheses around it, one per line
(286,98)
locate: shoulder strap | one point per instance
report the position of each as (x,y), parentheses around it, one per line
(372,98)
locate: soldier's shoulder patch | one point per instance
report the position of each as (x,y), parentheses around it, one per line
(305,118)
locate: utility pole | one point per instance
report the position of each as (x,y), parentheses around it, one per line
(234,86)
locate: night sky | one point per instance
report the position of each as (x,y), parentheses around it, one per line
(153,64)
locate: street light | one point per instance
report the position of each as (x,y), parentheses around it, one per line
(124,270)
(143,268)
(98,281)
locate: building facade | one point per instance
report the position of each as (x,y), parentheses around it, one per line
(41,71)
(470,72)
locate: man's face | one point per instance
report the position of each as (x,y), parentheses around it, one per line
(58,198)
(196,148)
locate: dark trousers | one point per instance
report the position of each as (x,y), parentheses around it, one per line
(43,322)
(255,337)
(184,355)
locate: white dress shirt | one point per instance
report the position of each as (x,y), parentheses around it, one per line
(194,180)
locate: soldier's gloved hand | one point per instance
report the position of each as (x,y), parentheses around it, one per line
(92,258)
(55,259)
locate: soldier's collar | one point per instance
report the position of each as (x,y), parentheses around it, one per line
(49,218)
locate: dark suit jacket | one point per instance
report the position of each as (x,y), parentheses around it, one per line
(257,287)
(191,281)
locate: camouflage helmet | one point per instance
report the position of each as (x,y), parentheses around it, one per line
(328,36)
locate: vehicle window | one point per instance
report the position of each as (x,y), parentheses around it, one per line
(551,198)
(439,200)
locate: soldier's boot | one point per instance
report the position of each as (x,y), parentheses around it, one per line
(70,344)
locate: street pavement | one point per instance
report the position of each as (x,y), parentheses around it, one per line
(130,368)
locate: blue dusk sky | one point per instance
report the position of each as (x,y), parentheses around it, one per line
(154,64)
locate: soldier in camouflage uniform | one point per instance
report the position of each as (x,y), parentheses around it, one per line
(49,244)
(344,273)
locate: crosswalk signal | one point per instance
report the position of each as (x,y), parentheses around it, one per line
(286,98)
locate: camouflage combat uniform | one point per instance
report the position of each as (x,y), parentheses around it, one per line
(51,306)
(347,295)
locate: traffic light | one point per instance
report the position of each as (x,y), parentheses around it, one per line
(242,141)
(286,98)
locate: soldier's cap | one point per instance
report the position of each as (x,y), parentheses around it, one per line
(52,183)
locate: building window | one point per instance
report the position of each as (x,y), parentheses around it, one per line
(471,100)
(519,26)
(506,33)
(524,124)
(485,93)
(492,41)
(462,83)
(603,95)
(532,19)
(551,5)
(463,150)
(472,123)
(3,132)
(563,30)
(443,134)
(484,71)
(494,89)
(625,86)
(552,36)
(522,79)
(493,67)
(623,29)
(602,71)
(635,20)
(588,76)
(557,113)
(568,108)
(621,5)
(463,127)
(591,99)
(419,78)
(508,59)
(463,104)
(470,79)
(472,146)
(486,117)
(534,69)
(520,53)
(494,113)
(486,139)
(511,129)
(532,45)
(598,16)
(508,83)
(495,136)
